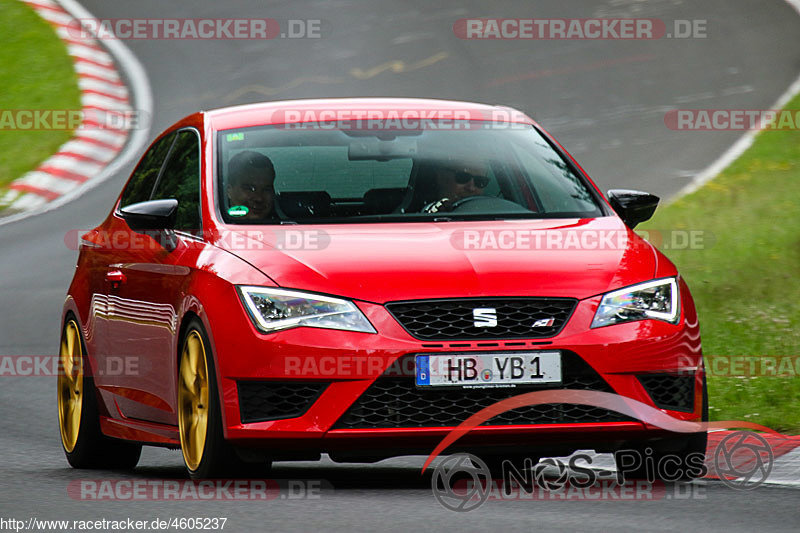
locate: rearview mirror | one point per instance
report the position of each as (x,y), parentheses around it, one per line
(151,215)
(633,207)
(372,148)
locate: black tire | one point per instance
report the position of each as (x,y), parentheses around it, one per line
(219,459)
(92,449)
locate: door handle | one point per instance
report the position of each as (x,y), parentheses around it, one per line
(116,278)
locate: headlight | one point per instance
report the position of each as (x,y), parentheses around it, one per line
(276,309)
(656,299)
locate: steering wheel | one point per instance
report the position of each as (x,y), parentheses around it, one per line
(467,199)
(447,205)
(434,207)
(477,204)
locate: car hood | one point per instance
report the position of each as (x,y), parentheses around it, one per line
(379,263)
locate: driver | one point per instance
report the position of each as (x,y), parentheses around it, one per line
(251,186)
(455,182)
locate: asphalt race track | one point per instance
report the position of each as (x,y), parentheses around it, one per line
(604,100)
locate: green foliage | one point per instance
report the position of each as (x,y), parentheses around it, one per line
(36,73)
(746,281)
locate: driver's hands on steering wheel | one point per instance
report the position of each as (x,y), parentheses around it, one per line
(439,206)
(448,205)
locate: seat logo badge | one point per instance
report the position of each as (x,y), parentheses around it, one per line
(485,317)
(544,323)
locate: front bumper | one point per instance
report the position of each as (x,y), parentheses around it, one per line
(347,364)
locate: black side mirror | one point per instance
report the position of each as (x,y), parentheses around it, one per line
(151,215)
(633,207)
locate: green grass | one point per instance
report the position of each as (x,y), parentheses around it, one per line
(36,73)
(747,284)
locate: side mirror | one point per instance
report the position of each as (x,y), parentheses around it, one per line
(633,207)
(151,215)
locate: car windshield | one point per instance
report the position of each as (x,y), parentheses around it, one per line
(307,173)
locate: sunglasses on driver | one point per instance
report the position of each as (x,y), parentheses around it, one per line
(462,177)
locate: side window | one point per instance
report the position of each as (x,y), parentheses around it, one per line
(144,177)
(181,180)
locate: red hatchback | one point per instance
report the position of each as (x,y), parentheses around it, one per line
(357,277)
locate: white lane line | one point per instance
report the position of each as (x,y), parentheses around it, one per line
(96,100)
(70,164)
(143,99)
(42,3)
(86,52)
(82,67)
(97,85)
(89,150)
(81,157)
(9,197)
(740,146)
(786,470)
(31,204)
(72,36)
(55,17)
(734,152)
(46,181)
(119,99)
(107,136)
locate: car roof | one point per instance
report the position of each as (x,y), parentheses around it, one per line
(282,112)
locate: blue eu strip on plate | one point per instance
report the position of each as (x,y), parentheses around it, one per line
(423,370)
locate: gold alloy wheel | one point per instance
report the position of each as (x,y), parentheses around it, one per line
(193,399)
(70,385)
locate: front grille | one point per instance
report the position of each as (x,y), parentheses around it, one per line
(453,319)
(395,402)
(670,391)
(273,400)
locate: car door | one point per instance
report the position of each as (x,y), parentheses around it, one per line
(106,245)
(145,290)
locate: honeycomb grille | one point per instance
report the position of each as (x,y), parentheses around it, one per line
(395,402)
(454,319)
(271,400)
(670,391)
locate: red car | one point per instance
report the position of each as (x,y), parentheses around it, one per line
(358,276)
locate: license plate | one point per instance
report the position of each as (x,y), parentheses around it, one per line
(488,370)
